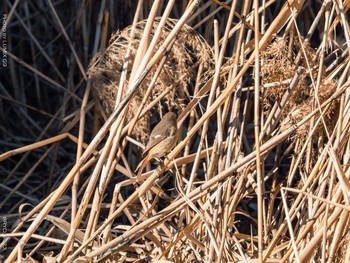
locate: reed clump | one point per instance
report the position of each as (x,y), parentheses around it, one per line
(280,62)
(182,61)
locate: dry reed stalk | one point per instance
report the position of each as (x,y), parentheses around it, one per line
(259,175)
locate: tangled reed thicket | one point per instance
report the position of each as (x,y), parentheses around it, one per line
(261,173)
(280,62)
(182,59)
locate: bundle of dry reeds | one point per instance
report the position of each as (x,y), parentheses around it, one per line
(260,173)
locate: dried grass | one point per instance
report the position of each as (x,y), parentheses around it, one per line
(188,52)
(261,174)
(280,61)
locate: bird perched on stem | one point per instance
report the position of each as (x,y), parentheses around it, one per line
(162,140)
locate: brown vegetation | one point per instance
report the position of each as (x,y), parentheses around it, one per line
(261,172)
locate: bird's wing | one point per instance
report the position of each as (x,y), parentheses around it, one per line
(152,142)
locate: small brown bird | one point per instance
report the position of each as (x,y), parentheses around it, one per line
(162,140)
